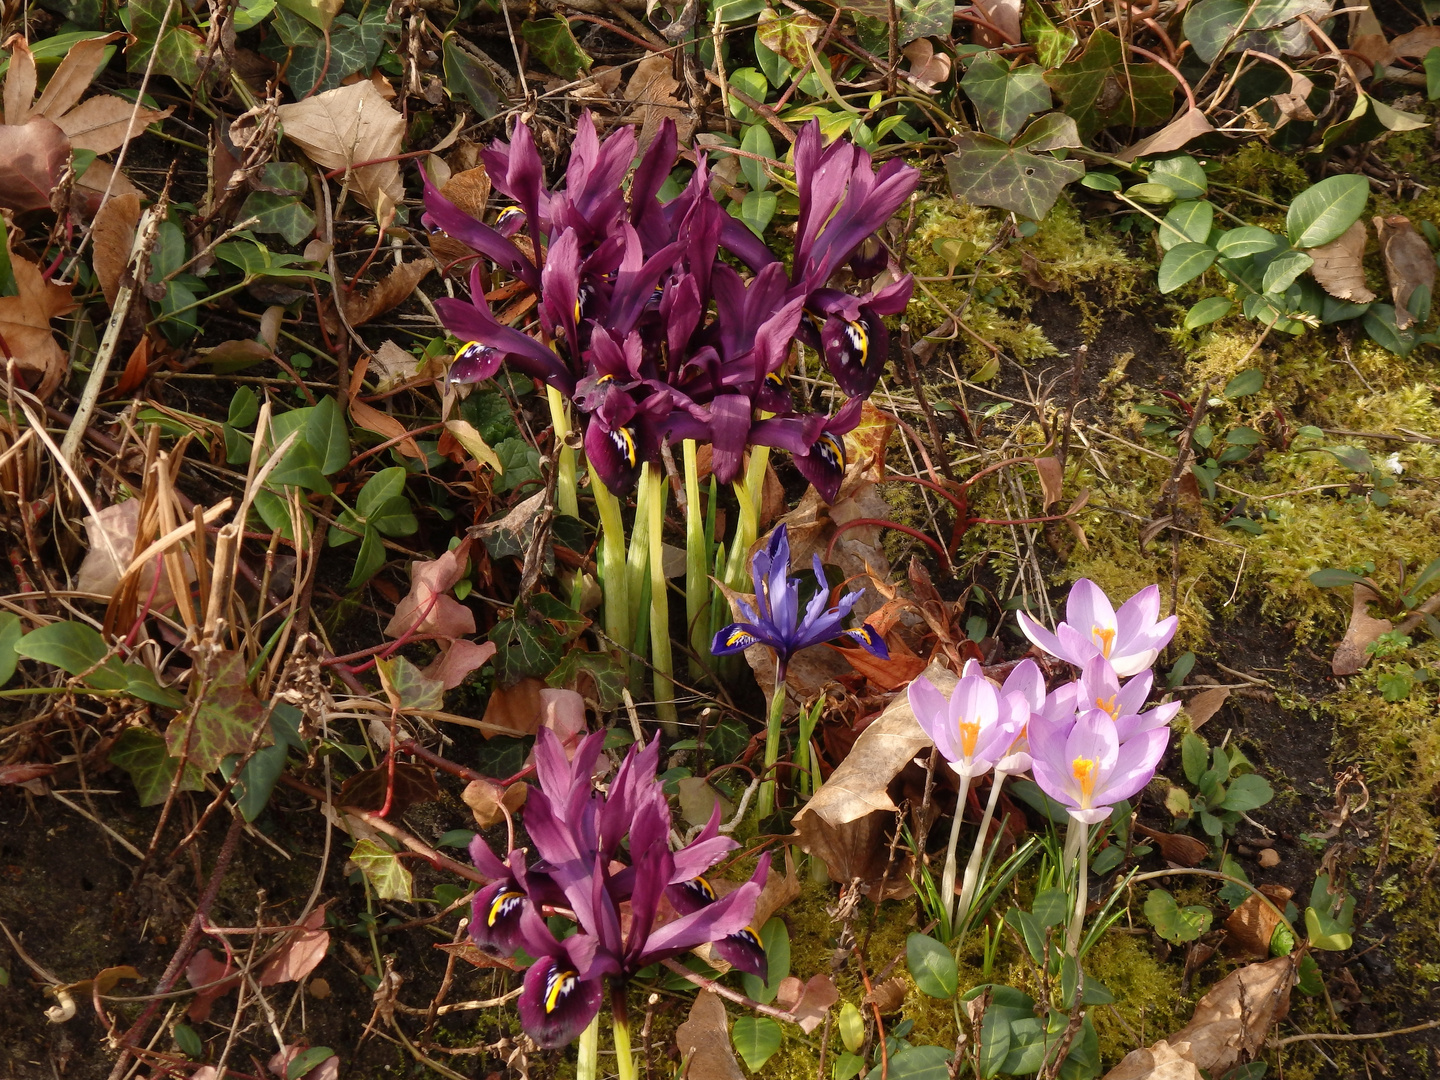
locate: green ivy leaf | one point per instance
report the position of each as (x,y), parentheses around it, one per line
(408,686)
(1175,924)
(597,676)
(521,463)
(1103,88)
(141,753)
(989,172)
(224,718)
(283,215)
(789,35)
(1052,43)
(177,50)
(553,44)
(1213,25)
(932,966)
(469,80)
(384,871)
(1004,98)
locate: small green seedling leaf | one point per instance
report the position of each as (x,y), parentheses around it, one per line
(756,1039)
(932,966)
(1172,922)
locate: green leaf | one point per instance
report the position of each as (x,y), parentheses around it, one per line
(520,462)
(1353,458)
(261,773)
(224,718)
(776,938)
(1194,757)
(409,686)
(1432,74)
(384,871)
(1182,174)
(380,489)
(757,140)
(1323,212)
(73,647)
(756,1039)
(1250,381)
(1246,240)
(325,431)
(752,84)
(916,1063)
(554,45)
(1186,221)
(1052,43)
(1173,923)
(848,1065)
(1208,311)
(1213,25)
(1369,119)
(995,1041)
(1246,792)
(177,51)
(188,1039)
(1243,436)
(932,966)
(1003,98)
(140,682)
(395,517)
(789,35)
(284,215)
(11,630)
(141,753)
(469,80)
(598,676)
(757,209)
(917,19)
(1333,577)
(1053,131)
(244,408)
(988,172)
(369,559)
(1184,263)
(1284,269)
(319,13)
(851,1026)
(456,838)
(1099,181)
(1051,906)
(1102,87)
(306,1060)
(1153,194)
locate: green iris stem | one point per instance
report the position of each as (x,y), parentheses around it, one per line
(654,480)
(977,853)
(588,1065)
(565,485)
(614,581)
(635,576)
(620,1019)
(747,528)
(947,878)
(697,569)
(765,803)
(1077,843)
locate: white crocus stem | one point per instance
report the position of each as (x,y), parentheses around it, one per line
(1081,831)
(947,879)
(977,853)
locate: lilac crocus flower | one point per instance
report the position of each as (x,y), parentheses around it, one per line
(1100,688)
(1130,639)
(1088,769)
(578,835)
(975,727)
(776,620)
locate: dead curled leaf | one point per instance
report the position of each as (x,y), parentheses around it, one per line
(1190,124)
(704,1041)
(112,236)
(1338,266)
(1350,656)
(1409,263)
(301,953)
(1252,924)
(808,1001)
(391,291)
(489,801)
(652,87)
(1230,1022)
(1205,704)
(347,127)
(33,157)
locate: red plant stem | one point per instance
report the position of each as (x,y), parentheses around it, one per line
(887,524)
(183,953)
(634,39)
(979,20)
(414,749)
(957,502)
(1189,94)
(332,661)
(388,443)
(403,639)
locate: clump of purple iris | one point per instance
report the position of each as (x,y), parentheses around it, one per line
(581,838)
(647,328)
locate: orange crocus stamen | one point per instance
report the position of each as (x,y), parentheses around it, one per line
(1108,705)
(1083,769)
(1107,639)
(969,735)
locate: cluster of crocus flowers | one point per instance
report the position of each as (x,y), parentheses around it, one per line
(1089,743)
(644,323)
(582,838)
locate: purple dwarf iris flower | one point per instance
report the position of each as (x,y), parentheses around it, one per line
(1088,769)
(776,620)
(1130,639)
(975,727)
(578,835)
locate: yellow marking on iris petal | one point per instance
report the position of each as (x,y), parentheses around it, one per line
(625,443)
(863,634)
(831,450)
(502,905)
(1083,769)
(1107,639)
(859,341)
(461,352)
(508,213)
(699,884)
(736,637)
(558,985)
(969,735)
(1108,705)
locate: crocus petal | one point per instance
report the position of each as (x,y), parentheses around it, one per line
(1136,764)
(1041,638)
(932,713)
(1027,680)
(1088,610)
(556,1004)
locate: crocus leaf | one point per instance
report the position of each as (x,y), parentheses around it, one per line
(989,172)
(1004,98)
(1103,88)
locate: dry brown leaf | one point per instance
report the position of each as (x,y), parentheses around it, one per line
(704,1041)
(112,237)
(427,608)
(470,191)
(1176,848)
(391,365)
(1253,923)
(927,67)
(488,800)
(1350,656)
(33,157)
(73,77)
(20,80)
(1052,479)
(1416,43)
(1409,263)
(1204,705)
(889,995)
(808,1001)
(382,423)
(99,180)
(1190,124)
(457,660)
(345,127)
(652,88)
(392,290)
(1373,49)
(1230,1022)
(25,322)
(1339,267)
(515,710)
(1003,15)
(103,123)
(302,952)
(890,674)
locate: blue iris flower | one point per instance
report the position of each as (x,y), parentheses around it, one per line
(776,620)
